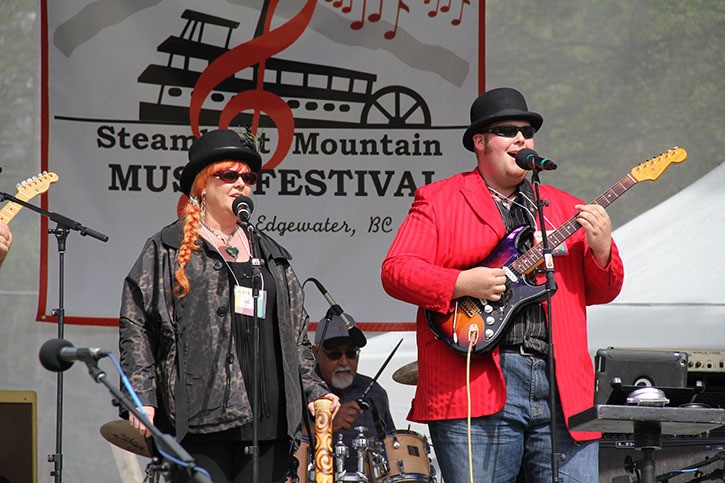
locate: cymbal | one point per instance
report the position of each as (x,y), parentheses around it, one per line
(120,433)
(408,374)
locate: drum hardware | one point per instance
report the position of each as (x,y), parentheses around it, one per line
(360,443)
(156,469)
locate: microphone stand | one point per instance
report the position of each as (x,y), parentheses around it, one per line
(256,284)
(556,457)
(61,231)
(164,442)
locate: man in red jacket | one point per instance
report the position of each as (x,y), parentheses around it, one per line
(452,226)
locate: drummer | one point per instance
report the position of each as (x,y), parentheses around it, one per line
(339,354)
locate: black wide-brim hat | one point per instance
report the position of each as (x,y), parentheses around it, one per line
(498,105)
(218,145)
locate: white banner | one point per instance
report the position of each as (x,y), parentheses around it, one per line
(357,103)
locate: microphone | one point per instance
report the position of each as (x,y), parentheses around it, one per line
(530,160)
(243,206)
(355,333)
(57,355)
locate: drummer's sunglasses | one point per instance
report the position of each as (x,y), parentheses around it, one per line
(335,355)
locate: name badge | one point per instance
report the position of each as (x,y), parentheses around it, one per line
(244,301)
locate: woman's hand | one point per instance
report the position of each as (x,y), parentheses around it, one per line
(334,407)
(138,425)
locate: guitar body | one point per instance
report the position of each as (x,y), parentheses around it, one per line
(484,321)
(486,318)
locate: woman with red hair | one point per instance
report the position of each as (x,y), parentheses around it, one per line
(187,316)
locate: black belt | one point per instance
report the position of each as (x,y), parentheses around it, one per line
(524,351)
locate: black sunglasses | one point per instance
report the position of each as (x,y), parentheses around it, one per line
(511,131)
(231,176)
(335,355)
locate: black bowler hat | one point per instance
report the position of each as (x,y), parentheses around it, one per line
(497,105)
(219,145)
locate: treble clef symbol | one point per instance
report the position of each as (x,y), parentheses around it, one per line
(250,53)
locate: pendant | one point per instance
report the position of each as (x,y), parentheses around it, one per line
(232,251)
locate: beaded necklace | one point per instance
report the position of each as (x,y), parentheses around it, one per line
(225,239)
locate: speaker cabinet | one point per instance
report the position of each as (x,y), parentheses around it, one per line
(18,437)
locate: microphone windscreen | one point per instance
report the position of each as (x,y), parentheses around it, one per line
(49,355)
(522,158)
(239,200)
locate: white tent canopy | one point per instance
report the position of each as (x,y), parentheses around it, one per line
(673,295)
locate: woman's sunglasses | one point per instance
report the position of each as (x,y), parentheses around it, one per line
(511,131)
(231,176)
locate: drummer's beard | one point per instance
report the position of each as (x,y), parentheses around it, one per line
(342,378)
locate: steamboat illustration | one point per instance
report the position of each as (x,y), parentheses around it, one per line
(319,95)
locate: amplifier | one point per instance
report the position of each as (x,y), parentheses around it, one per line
(707,366)
(705,360)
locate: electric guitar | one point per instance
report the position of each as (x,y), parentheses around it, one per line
(483,321)
(27,189)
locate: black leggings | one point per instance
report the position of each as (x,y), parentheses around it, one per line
(226,462)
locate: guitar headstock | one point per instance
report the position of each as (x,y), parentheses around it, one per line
(36,185)
(653,168)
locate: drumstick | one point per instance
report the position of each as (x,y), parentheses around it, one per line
(361,400)
(323,442)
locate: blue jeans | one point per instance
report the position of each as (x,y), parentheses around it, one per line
(514,445)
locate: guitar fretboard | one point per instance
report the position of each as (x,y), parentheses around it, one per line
(11,209)
(535,255)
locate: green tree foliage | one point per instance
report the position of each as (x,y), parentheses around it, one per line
(617,82)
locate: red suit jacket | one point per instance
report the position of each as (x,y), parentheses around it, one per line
(453,225)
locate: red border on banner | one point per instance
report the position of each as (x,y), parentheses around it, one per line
(41,314)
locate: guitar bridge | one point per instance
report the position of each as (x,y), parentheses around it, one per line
(469,306)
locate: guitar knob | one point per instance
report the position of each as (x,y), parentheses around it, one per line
(488,333)
(488,308)
(490,320)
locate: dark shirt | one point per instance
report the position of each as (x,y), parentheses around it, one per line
(528,325)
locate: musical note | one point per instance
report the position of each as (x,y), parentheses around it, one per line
(457,21)
(434,12)
(348,7)
(390,34)
(358,24)
(254,52)
(337,3)
(445,8)
(374,17)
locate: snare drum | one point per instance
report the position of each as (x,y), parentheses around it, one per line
(401,457)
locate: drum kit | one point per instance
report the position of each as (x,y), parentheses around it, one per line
(400,457)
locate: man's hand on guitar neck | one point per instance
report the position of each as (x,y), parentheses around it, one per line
(481,282)
(598,227)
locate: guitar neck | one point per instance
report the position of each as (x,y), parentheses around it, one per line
(11,209)
(534,256)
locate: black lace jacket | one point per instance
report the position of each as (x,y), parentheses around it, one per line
(174,350)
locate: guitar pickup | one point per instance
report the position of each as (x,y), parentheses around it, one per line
(510,274)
